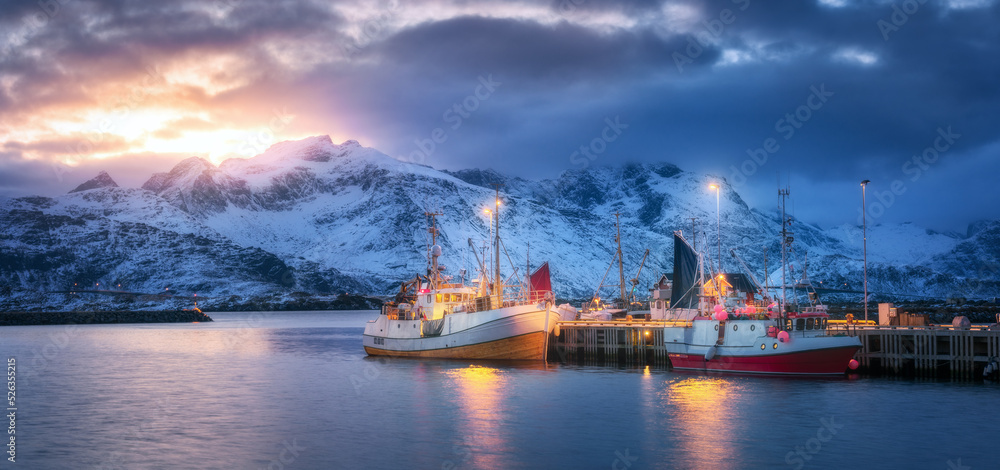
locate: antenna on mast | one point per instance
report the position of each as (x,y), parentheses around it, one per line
(434,251)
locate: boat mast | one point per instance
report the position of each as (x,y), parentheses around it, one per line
(785,240)
(621,268)
(432,255)
(497,281)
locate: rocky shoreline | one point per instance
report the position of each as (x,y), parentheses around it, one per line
(72,318)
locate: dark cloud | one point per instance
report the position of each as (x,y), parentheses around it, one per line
(563,75)
(558,54)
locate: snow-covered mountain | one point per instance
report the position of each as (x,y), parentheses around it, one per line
(314,217)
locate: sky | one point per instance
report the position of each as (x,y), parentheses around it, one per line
(818,95)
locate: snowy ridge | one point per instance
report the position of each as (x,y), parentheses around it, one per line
(317,217)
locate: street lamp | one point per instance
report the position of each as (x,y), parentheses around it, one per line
(718,221)
(864,236)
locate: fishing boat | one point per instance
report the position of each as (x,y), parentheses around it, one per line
(728,322)
(626,305)
(435,316)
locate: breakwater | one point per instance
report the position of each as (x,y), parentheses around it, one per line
(68,318)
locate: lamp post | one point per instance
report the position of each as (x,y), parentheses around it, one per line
(718,221)
(864,236)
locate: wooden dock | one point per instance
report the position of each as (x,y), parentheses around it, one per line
(610,342)
(935,350)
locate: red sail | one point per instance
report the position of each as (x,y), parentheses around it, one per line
(541,284)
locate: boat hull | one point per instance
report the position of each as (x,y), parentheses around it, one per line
(826,361)
(743,346)
(530,346)
(517,333)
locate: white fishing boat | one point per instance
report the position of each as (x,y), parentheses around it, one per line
(435,317)
(730,323)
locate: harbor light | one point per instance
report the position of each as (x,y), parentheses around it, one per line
(864,237)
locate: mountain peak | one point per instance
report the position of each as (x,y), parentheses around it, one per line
(102,180)
(188,169)
(315,149)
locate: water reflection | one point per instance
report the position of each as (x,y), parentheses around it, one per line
(703,414)
(482,405)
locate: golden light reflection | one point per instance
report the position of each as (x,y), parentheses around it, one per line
(704,418)
(482,401)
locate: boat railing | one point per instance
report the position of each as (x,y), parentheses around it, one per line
(490,302)
(628,323)
(596,305)
(399,313)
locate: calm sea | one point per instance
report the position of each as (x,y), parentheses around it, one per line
(295,391)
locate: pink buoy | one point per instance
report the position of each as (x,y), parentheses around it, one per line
(783,336)
(720,316)
(853,365)
(719,308)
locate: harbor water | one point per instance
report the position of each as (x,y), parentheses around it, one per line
(294,390)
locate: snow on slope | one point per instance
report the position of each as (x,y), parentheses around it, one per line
(347,217)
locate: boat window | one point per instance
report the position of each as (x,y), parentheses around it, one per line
(430,298)
(800,323)
(438,297)
(809,323)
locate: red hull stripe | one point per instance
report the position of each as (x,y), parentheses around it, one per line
(817,361)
